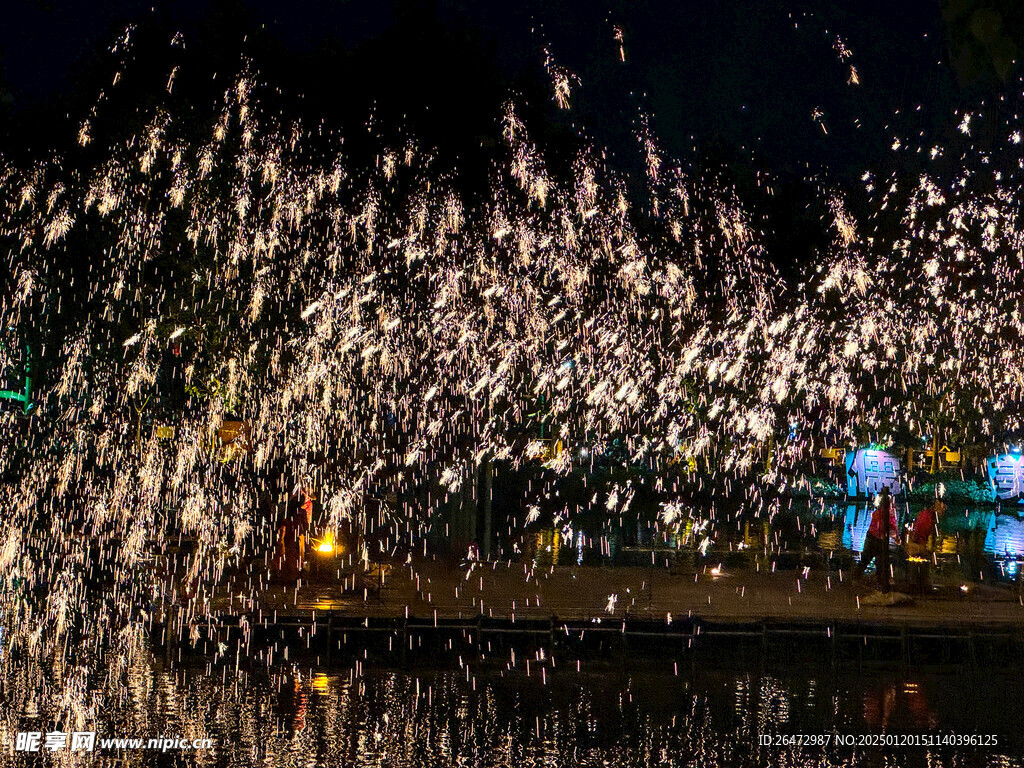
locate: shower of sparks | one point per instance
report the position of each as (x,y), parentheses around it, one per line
(383,335)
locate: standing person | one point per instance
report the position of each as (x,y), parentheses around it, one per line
(921,540)
(926,527)
(876,543)
(292,533)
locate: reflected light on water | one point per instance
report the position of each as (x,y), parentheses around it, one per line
(601,716)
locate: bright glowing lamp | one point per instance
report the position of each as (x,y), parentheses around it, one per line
(326,545)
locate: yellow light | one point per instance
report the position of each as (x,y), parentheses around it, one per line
(320,683)
(325,546)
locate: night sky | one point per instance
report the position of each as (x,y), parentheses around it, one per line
(763,81)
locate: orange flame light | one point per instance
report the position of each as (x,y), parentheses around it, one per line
(326,545)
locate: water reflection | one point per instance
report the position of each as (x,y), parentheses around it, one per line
(858,520)
(987,538)
(1001,535)
(602,715)
(1005,536)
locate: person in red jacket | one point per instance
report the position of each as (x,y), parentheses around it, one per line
(876,543)
(926,525)
(921,542)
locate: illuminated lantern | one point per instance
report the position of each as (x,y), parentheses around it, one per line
(868,471)
(832,454)
(1006,476)
(324,554)
(232,439)
(326,545)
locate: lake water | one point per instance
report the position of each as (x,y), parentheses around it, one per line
(987,539)
(603,712)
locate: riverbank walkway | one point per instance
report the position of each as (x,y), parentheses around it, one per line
(514,591)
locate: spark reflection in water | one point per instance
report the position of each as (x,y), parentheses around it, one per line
(601,716)
(385,334)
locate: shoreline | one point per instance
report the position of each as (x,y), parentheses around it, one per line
(654,611)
